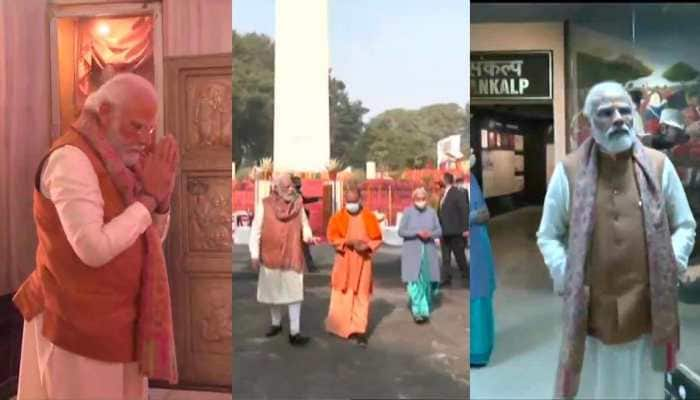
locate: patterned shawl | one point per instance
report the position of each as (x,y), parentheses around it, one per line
(661,262)
(285,211)
(155,341)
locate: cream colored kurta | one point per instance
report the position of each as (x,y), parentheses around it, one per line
(48,372)
(276,286)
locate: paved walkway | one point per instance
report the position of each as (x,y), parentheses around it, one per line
(528,322)
(403,360)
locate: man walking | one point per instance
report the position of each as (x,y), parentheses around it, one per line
(276,252)
(356,236)
(454,219)
(310,265)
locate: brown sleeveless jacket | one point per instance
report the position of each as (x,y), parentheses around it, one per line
(281,241)
(88,311)
(617,268)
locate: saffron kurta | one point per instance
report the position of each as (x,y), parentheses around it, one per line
(351,279)
(625,370)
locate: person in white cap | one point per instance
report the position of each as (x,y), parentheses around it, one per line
(672,132)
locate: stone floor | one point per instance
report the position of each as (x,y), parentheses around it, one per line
(403,360)
(528,317)
(167,394)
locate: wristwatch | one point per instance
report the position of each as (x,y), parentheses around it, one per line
(163,208)
(148,201)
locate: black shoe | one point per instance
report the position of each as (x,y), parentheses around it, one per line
(312,268)
(420,320)
(446,283)
(298,340)
(361,340)
(273,331)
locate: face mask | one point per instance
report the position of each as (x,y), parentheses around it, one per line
(420,205)
(352,207)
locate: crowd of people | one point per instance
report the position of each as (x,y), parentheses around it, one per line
(616,234)
(279,249)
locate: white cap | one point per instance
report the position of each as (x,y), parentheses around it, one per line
(672,117)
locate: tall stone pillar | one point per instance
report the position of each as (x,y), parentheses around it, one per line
(301,126)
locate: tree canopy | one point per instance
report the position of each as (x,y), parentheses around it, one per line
(253,97)
(680,72)
(395,139)
(402,138)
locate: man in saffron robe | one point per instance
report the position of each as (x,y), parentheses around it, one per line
(356,236)
(97,306)
(616,233)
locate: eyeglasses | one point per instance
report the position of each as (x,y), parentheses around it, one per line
(608,112)
(142,129)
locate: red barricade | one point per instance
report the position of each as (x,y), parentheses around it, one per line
(243,196)
(386,196)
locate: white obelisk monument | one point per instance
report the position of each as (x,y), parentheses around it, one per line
(301,125)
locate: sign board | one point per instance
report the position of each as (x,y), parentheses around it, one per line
(511,75)
(371,170)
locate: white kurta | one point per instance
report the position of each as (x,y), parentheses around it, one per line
(614,371)
(48,371)
(276,286)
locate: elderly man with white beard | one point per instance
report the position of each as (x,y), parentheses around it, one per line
(279,228)
(616,232)
(97,306)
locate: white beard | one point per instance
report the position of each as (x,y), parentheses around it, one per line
(616,144)
(129,158)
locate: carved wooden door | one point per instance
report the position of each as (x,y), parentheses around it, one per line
(198,113)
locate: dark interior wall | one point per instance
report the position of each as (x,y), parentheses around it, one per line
(10,346)
(535,160)
(533,122)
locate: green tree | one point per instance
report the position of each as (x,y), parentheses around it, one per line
(592,69)
(680,72)
(346,126)
(253,97)
(401,138)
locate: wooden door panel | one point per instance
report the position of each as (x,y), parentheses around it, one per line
(210,339)
(209,219)
(198,113)
(205,126)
